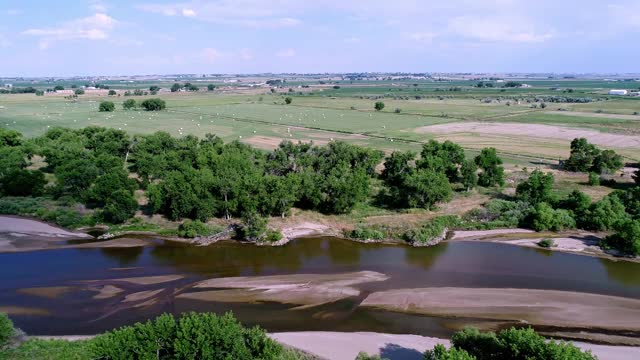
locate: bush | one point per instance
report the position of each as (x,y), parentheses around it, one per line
(254,227)
(7,331)
(288,100)
(515,344)
(119,207)
(498,214)
(193,336)
(546,243)
(626,239)
(364,356)
(20,182)
(379,105)
(106,106)
(153,104)
(439,352)
(430,231)
(363,233)
(272,236)
(191,229)
(594,179)
(129,104)
(543,217)
(112,92)
(397,110)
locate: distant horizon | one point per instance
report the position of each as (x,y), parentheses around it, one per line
(117,37)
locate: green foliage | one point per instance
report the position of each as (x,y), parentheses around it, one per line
(7,331)
(364,356)
(626,239)
(606,214)
(365,233)
(379,105)
(515,344)
(469,174)
(119,207)
(192,229)
(594,179)
(425,188)
(444,157)
(192,336)
(546,243)
(498,214)
(10,138)
(492,171)
(20,182)
(211,87)
(107,106)
(433,230)
(49,350)
(153,104)
(288,100)
(439,352)
(129,104)
(272,236)
(254,227)
(538,188)
(79,92)
(112,93)
(543,217)
(586,157)
(578,203)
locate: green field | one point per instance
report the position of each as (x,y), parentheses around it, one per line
(260,118)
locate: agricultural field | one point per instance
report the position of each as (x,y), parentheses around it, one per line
(507,119)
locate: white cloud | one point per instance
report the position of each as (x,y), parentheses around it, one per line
(495,30)
(286,53)
(96,27)
(248,13)
(188,12)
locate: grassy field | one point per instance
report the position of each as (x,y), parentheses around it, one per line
(260,118)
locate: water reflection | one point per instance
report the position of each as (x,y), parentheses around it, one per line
(622,272)
(124,257)
(425,258)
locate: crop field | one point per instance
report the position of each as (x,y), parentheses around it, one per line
(413,114)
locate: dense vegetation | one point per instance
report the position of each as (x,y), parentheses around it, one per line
(191,336)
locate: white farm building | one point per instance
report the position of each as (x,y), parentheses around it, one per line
(618,92)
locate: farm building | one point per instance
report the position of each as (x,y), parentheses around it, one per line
(618,92)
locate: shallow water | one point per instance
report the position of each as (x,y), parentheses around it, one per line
(458,264)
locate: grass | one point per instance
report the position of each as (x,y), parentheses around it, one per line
(49,350)
(324,114)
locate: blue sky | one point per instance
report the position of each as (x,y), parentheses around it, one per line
(111,37)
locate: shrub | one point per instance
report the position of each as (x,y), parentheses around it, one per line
(254,227)
(129,104)
(379,105)
(546,243)
(439,352)
(112,92)
(543,217)
(193,336)
(363,233)
(430,231)
(119,207)
(20,182)
(272,236)
(153,104)
(515,344)
(626,239)
(288,100)
(364,356)
(106,106)
(397,110)
(191,229)
(594,179)
(7,331)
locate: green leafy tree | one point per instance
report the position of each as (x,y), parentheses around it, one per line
(58,88)
(211,87)
(492,172)
(21,182)
(254,226)
(129,104)
(288,100)
(538,188)
(606,214)
(106,106)
(154,88)
(119,207)
(79,92)
(425,188)
(397,167)
(543,217)
(607,162)
(176,87)
(7,331)
(75,176)
(439,352)
(153,104)
(379,105)
(578,203)
(444,157)
(112,93)
(626,237)
(10,138)
(469,174)
(594,179)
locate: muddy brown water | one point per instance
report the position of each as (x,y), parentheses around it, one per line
(459,264)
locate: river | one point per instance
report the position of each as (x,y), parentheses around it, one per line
(75,310)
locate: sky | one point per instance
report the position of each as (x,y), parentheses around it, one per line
(128,37)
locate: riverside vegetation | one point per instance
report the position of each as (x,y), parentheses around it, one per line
(209,336)
(198,179)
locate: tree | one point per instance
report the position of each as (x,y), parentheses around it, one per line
(211,87)
(424,188)
(492,173)
(58,88)
(606,214)
(10,138)
(636,177)
(543,217)
(469,174)
(538,188)
(112,92)
(439,352)
(582,155)
(153,104)
(379,105)
(129,104)
(254,226)
(344,188)
(578,203)
(176,87)
(288,100)
(119,207)
(7,331)
(75,176)
(154,88)
(79,92)
(397,167)
(626,238)
(444,157)
(606,162)
(106,106)
(21,182)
